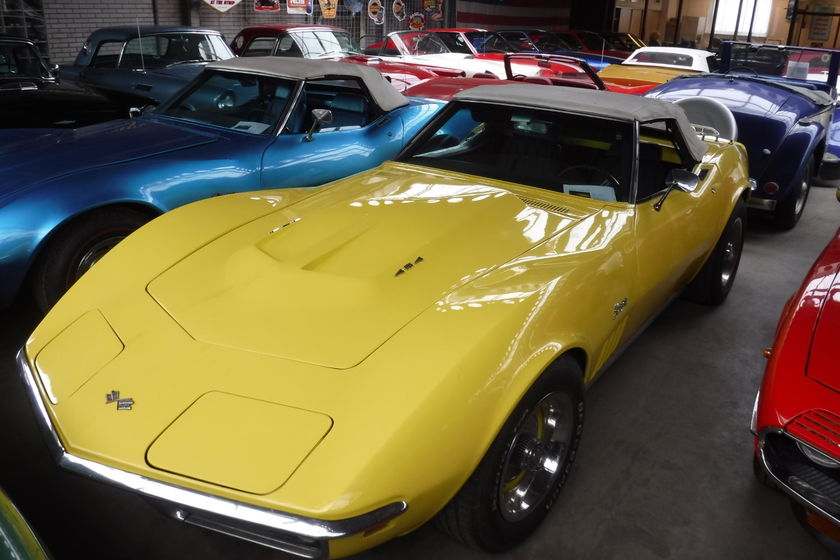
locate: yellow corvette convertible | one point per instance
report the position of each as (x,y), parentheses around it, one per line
(320,370)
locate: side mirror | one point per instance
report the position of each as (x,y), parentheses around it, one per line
(683,180)
(320,117)
(678,179)
(134,112)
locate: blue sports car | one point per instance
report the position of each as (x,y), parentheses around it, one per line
(782,98)
(242,124)
(537,40)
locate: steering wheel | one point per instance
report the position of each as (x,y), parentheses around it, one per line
(606,178)
(743,69)
(518,77)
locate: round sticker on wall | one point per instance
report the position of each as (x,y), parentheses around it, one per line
(375,12)
(398,7)
(417,21)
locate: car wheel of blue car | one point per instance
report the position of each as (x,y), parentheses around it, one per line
(76,247)
(789,210)
(523,471)
(714,281)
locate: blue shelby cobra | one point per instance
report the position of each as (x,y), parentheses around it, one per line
(782,98)
(243,124)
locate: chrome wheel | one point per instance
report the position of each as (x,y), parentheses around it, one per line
(801,195)
(732,252)
(536,456)
(92,255)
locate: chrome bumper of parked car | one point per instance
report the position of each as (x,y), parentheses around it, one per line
(762,203)
(812,486)
(830,167)
(302,536)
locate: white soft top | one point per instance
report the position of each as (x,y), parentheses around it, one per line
(670,57)
(602,104)
(383,93)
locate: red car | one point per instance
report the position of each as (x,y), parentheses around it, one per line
(583,76)
(327,42)
(796,419)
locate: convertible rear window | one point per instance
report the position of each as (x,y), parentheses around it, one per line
(573,154)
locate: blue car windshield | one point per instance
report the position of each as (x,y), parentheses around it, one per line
(787,62)
(243,102)
(562,152)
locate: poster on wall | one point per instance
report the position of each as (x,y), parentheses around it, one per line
(376,12)
(438,15)
(222,5)
(398,7)
(328,8)
(267,5)
(417,21)
(820,25)
(299,7)
(431,5)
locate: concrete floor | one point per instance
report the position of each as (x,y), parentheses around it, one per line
(663,470)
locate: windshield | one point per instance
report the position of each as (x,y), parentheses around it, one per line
(415,42)
(787,62)
(593,41)
(487,42)
(574,154)
(550,42)
(243,102)
(21,60)
(157,51)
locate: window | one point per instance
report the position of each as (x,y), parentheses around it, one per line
(260,46)
(728,12)
(572,154)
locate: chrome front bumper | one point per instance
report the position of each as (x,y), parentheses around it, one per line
(808,484)
(302,536)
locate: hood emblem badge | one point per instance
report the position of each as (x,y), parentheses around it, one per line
(408,266)
(122,404)
(619,307)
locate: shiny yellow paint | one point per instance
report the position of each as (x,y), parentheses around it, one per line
(298,303)
(633,75)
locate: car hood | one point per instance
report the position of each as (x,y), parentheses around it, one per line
(31,157)
(358,263)
(822,360)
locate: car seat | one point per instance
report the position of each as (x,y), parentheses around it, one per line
(709,112)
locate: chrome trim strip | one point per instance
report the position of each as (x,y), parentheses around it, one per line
(762,203)
(796,496)
(754,417)
(304,527)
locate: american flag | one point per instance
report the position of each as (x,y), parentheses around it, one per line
(497,14)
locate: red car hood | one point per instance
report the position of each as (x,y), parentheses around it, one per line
(822,361)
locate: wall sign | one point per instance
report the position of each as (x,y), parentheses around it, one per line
(222,5)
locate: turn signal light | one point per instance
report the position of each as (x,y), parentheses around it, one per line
(771,187)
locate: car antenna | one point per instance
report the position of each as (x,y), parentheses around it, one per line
(140,40)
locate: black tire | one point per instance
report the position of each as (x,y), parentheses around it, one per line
(788,211)
(486,513)
(75,248)
(714,281)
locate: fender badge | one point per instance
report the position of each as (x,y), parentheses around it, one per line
(122,404)
(619,307)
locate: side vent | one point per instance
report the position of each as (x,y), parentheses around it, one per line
(546,206)
(408,266)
